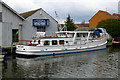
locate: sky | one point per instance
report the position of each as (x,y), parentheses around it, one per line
(79,10)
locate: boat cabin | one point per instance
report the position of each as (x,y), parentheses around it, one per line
(64,38)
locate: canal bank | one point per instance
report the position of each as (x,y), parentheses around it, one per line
(8,52)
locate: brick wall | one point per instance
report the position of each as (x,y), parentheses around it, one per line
(98,17)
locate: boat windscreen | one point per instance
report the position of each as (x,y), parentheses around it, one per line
(117,39)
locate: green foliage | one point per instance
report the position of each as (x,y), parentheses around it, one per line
(109,43)
(111,25)
(69,24)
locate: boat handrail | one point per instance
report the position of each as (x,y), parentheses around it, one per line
(50,37)
(24,40)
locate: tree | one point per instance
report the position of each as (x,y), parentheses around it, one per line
(111,25)
(70,24)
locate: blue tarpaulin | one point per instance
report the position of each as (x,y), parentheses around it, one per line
(96,33)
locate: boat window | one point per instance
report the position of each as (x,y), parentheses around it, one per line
(61,42)
(91,34)
(46,42)
(54,42)
(70,34)
(73,34)
(79,35)
(85,35)
(62,34)
(99,30)
(66,41)
(117,39)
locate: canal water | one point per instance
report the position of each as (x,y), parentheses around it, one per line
(97,64)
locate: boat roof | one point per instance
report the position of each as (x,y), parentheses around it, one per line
(74,32)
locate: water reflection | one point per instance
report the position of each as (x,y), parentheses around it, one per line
(98,64)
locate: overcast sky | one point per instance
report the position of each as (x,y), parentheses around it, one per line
(79,10)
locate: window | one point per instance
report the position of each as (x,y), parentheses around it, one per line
(79,35)
(61,42)
(40,29)
(85,35)
(54,42)
(70,34)
(0,16)
(46,43)
(15,34)
(91,34)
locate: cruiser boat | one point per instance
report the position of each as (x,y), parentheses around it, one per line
(65,42)
(116,42)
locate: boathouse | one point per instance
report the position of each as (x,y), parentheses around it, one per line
(38,21)
(10,28)
(15,26)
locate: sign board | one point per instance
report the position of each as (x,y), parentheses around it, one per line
(40,22)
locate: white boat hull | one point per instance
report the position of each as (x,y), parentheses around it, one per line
(59,51)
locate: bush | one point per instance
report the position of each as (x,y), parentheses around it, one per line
(111,25)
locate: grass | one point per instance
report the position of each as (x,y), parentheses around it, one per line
(109,43)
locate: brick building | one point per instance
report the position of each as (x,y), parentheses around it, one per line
(102,15)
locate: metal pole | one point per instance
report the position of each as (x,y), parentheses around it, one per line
(11,48)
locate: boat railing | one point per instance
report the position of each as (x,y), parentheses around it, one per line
(44,34)
(23,42)
(50,35)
